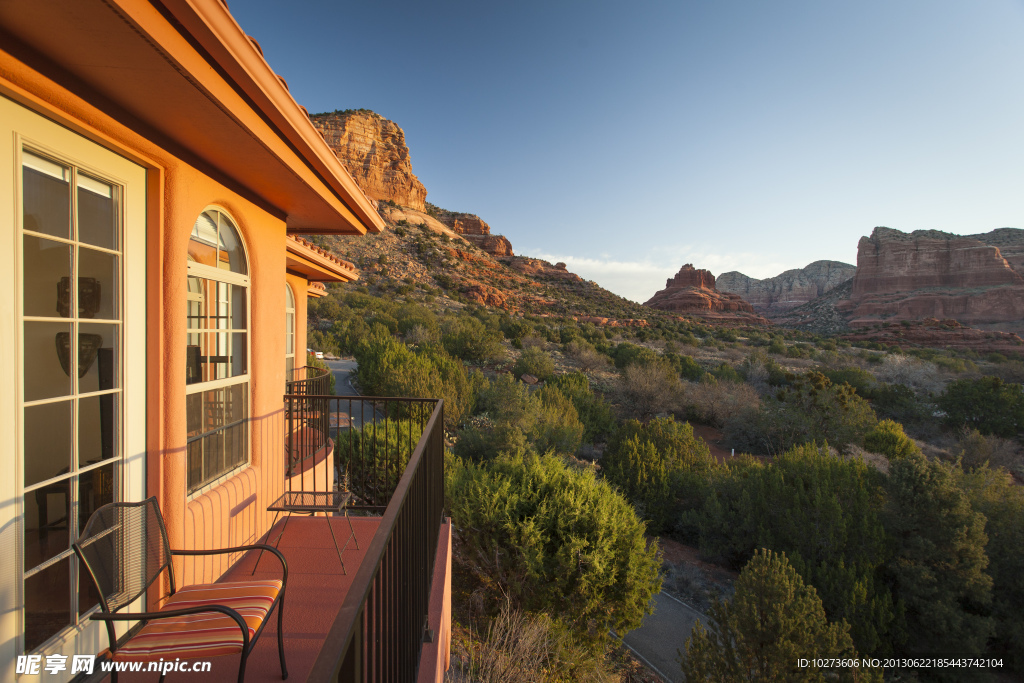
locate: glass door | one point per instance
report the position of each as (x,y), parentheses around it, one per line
(71,379)
(77,291)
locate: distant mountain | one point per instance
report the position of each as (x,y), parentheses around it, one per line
(776,295)
(693,292)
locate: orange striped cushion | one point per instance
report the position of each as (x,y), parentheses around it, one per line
(207,634)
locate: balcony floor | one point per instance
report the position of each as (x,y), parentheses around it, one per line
(316,589)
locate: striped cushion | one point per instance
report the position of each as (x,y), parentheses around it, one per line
(207,634)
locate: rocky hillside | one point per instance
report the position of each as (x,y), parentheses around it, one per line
(373,150)
(692,292)
(776,295)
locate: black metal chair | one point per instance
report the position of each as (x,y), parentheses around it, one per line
(124,546)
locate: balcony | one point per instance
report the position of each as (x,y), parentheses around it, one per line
(307,381)
(385,615)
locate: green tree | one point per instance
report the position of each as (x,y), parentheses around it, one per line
(626,354)
(823,511)
(387,367)
(557,539)
(993,493)
(659,467)
(468,338)
(889,439)
(536,362)
(987,404)
(812,408)
(772,621)
(558,427)
(939,561)
(594,412)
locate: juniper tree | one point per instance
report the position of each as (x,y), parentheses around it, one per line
(823,512)
(772,621)
(938,567)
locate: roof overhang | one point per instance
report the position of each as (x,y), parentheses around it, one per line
(316,290)
(316,264)
(183,74)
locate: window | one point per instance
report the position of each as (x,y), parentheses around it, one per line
(289,335)
(217,350)
(72,270)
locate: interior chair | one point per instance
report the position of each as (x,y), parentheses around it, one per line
(124,546)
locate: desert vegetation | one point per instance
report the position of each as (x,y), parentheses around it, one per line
(874,489)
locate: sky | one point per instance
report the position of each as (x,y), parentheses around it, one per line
(629,138)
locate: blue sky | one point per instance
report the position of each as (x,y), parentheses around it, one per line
(629,138)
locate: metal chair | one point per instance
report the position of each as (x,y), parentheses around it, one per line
(124,546)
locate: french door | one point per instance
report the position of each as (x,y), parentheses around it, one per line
(72,227)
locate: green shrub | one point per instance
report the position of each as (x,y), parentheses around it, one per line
(626,354)
(516,418)
(987,404)
(468,338)
(685,366)
(558,427)
(559,540)
(993,493)
(823,511)
(594,412)
(388,367)
(938,571)
(376,455)
(515,329)
(861,380)
(657,466)
(811,409)
(761,631)
(898,402)
(957,365)
(888,439)
(536,362)
(727,373)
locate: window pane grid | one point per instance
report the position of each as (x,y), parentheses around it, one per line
(217,351)
(71,225)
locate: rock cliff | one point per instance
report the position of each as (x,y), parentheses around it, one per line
(692,292)
(933,274)
(373,150)
(776,295)
(474,230)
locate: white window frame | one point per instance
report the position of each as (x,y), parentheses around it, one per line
(24,129)
(207,272)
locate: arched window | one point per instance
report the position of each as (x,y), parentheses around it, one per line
(289,334)
(217,351)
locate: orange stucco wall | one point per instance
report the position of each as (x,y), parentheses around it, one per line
(234,512)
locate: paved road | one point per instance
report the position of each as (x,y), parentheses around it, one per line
(662,634)
(342,369)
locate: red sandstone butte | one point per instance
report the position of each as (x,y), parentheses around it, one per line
(692,292)
(473,229)
(932,274)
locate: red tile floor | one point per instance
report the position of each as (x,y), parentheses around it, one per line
(316,589)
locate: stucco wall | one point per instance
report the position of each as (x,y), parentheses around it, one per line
(234,512)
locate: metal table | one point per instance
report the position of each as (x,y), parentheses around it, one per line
(313,502)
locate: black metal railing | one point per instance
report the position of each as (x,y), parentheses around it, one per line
(307,381)
(393,450)
(372,439)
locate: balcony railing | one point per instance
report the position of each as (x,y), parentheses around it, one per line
(390,454)
(307,381)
